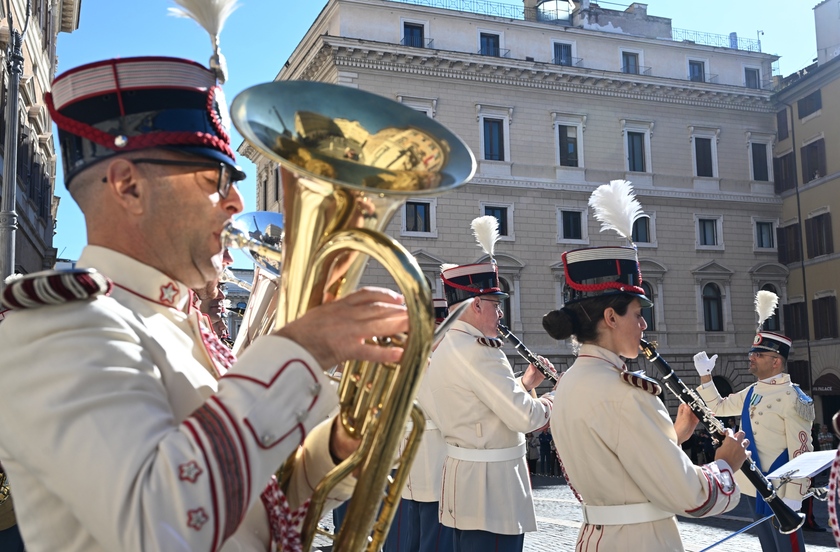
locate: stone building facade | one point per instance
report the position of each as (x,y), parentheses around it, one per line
(37,205)
(555,102)
(808,176)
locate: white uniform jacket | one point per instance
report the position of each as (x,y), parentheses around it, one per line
(779,421)
(618,447)
(118,436)
(424,479)
(478,404)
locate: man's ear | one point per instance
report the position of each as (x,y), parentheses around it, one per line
(125,185)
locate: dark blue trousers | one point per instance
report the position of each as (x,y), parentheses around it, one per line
(10,540)
(483,541)
(770,538)
(402,535)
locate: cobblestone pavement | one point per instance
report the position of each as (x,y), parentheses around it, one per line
(559,519)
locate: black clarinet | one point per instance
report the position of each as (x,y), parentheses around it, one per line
(524,352)
(789,521)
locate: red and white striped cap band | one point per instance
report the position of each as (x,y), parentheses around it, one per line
(596,271)
(115,75)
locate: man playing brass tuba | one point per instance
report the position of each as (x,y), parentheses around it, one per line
(137,433)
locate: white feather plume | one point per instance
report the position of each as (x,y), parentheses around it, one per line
(486,231)
(616,207)
(765,305)
(446,266)
(210,14)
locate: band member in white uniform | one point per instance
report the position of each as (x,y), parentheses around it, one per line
(138,431)
(776,416)
(483,412)
(619,449)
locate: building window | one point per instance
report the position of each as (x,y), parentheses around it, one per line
(760,167)
(636,152)
(709,233)
(568,137)
(277,183)
(641,230)
(809,104)
(800,371)
(765,235)
(647,312)
(752,77)
(825,317)
(787,239)
(501,215)
(771,324)
(796,320)
(696,71)
(489,45)
(818,235)
(782,124)
(264,189)
(704,150)
(703,161)
(419,218)
(630,63)
(571,226)
(563,54)
(784,172)
(712,308)
(505,303)
(813,160)
(413,35)
(494,139)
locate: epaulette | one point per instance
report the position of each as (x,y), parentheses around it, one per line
(638,379)
(493,342)
(804,404)
(54,287)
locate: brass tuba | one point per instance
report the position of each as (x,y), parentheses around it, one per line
(349,159)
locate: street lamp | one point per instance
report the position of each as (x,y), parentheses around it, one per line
(8,217)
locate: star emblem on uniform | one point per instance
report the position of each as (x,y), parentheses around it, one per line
(189,471)
(197,518)
(168,293)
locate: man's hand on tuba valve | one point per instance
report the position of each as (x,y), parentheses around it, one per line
(342,330)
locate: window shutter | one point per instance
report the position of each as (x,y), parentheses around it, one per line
(820,146)
(810,237)
(781,245)
(826,228)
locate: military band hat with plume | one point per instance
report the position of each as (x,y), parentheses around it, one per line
(595,271)
(472,280)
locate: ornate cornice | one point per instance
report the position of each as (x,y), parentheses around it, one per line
(393,58)
(666,193)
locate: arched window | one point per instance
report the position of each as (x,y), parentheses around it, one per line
(647,312)
(712,308)
(505,302)
(772,324)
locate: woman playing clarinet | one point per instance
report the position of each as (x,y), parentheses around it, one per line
(616,442)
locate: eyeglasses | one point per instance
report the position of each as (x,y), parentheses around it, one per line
(497,303)
(224,183)
(761,355)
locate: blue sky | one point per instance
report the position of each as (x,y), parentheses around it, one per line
(261,35)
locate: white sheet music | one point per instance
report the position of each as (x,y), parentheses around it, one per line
(805,465)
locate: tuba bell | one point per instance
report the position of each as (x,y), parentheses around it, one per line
(349,159)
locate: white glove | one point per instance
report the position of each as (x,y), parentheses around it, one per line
(703,364)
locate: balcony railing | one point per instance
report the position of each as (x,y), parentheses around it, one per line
(635,69)
(705,77)
(494,52)
(415,42)
(710,39)
(568,61)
